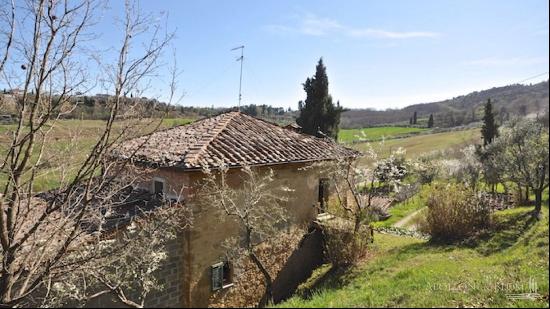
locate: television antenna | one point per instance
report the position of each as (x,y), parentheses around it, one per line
(241,59)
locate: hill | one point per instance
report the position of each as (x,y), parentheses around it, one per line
(509,100)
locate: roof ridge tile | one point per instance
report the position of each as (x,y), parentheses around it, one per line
(211,136)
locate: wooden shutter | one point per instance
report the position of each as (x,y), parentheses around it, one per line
(159,187)
(217,276)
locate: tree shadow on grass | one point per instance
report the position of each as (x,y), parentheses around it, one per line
(504,233)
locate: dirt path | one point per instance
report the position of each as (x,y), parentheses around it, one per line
(401,223)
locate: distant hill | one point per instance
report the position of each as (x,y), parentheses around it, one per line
(509,100)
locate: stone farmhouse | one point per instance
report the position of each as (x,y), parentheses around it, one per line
(196,268)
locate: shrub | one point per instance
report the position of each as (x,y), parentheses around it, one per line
(455,212)
(427,170)
(343,246)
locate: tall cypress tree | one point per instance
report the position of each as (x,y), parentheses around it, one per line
(317,112)
(431,121)
(489,130)
(414,117)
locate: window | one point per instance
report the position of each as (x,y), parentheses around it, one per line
(158,186)
(323,194)
(221,276)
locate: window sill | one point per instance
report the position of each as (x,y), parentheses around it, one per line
(324,217)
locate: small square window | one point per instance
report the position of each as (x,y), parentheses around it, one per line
(221,276)
(158,187)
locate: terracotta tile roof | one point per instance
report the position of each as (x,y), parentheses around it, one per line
(233,138)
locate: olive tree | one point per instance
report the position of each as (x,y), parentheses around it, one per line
(521,156)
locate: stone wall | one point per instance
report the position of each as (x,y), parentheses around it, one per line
(211,228)
(171,276)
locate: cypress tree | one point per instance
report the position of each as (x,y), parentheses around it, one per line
(317,112)
(414,117)
(431,121)
(489,130)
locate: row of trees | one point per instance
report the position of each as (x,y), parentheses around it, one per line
(97,108)
(518,156)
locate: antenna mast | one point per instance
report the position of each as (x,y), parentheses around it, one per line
(241,59)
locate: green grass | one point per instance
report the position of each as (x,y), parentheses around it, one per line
(172,122)
(408,272)
(401,210)
(376,133)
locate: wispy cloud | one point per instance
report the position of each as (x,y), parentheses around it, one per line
(513,61)
(377,33)
(318,26)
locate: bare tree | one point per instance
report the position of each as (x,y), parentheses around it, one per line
(7,20)
(363,182)
(255,206)
(45,240)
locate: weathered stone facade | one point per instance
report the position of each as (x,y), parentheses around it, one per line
(186,276)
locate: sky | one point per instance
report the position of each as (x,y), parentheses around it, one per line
(379,54)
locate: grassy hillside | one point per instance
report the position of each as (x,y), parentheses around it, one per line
(404,271)
(376,133)
(417,145)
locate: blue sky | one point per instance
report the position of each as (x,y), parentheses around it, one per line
(379,54)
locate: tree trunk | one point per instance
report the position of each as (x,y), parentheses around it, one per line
(268,297)
(506,190)
(538,204)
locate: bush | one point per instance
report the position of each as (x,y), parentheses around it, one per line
(343,247)
(455,212)
(427,169)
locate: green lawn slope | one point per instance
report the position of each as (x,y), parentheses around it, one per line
(401,271)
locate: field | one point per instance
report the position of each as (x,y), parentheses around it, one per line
(68,143)
(511,258)
(421,144)
(376,133)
